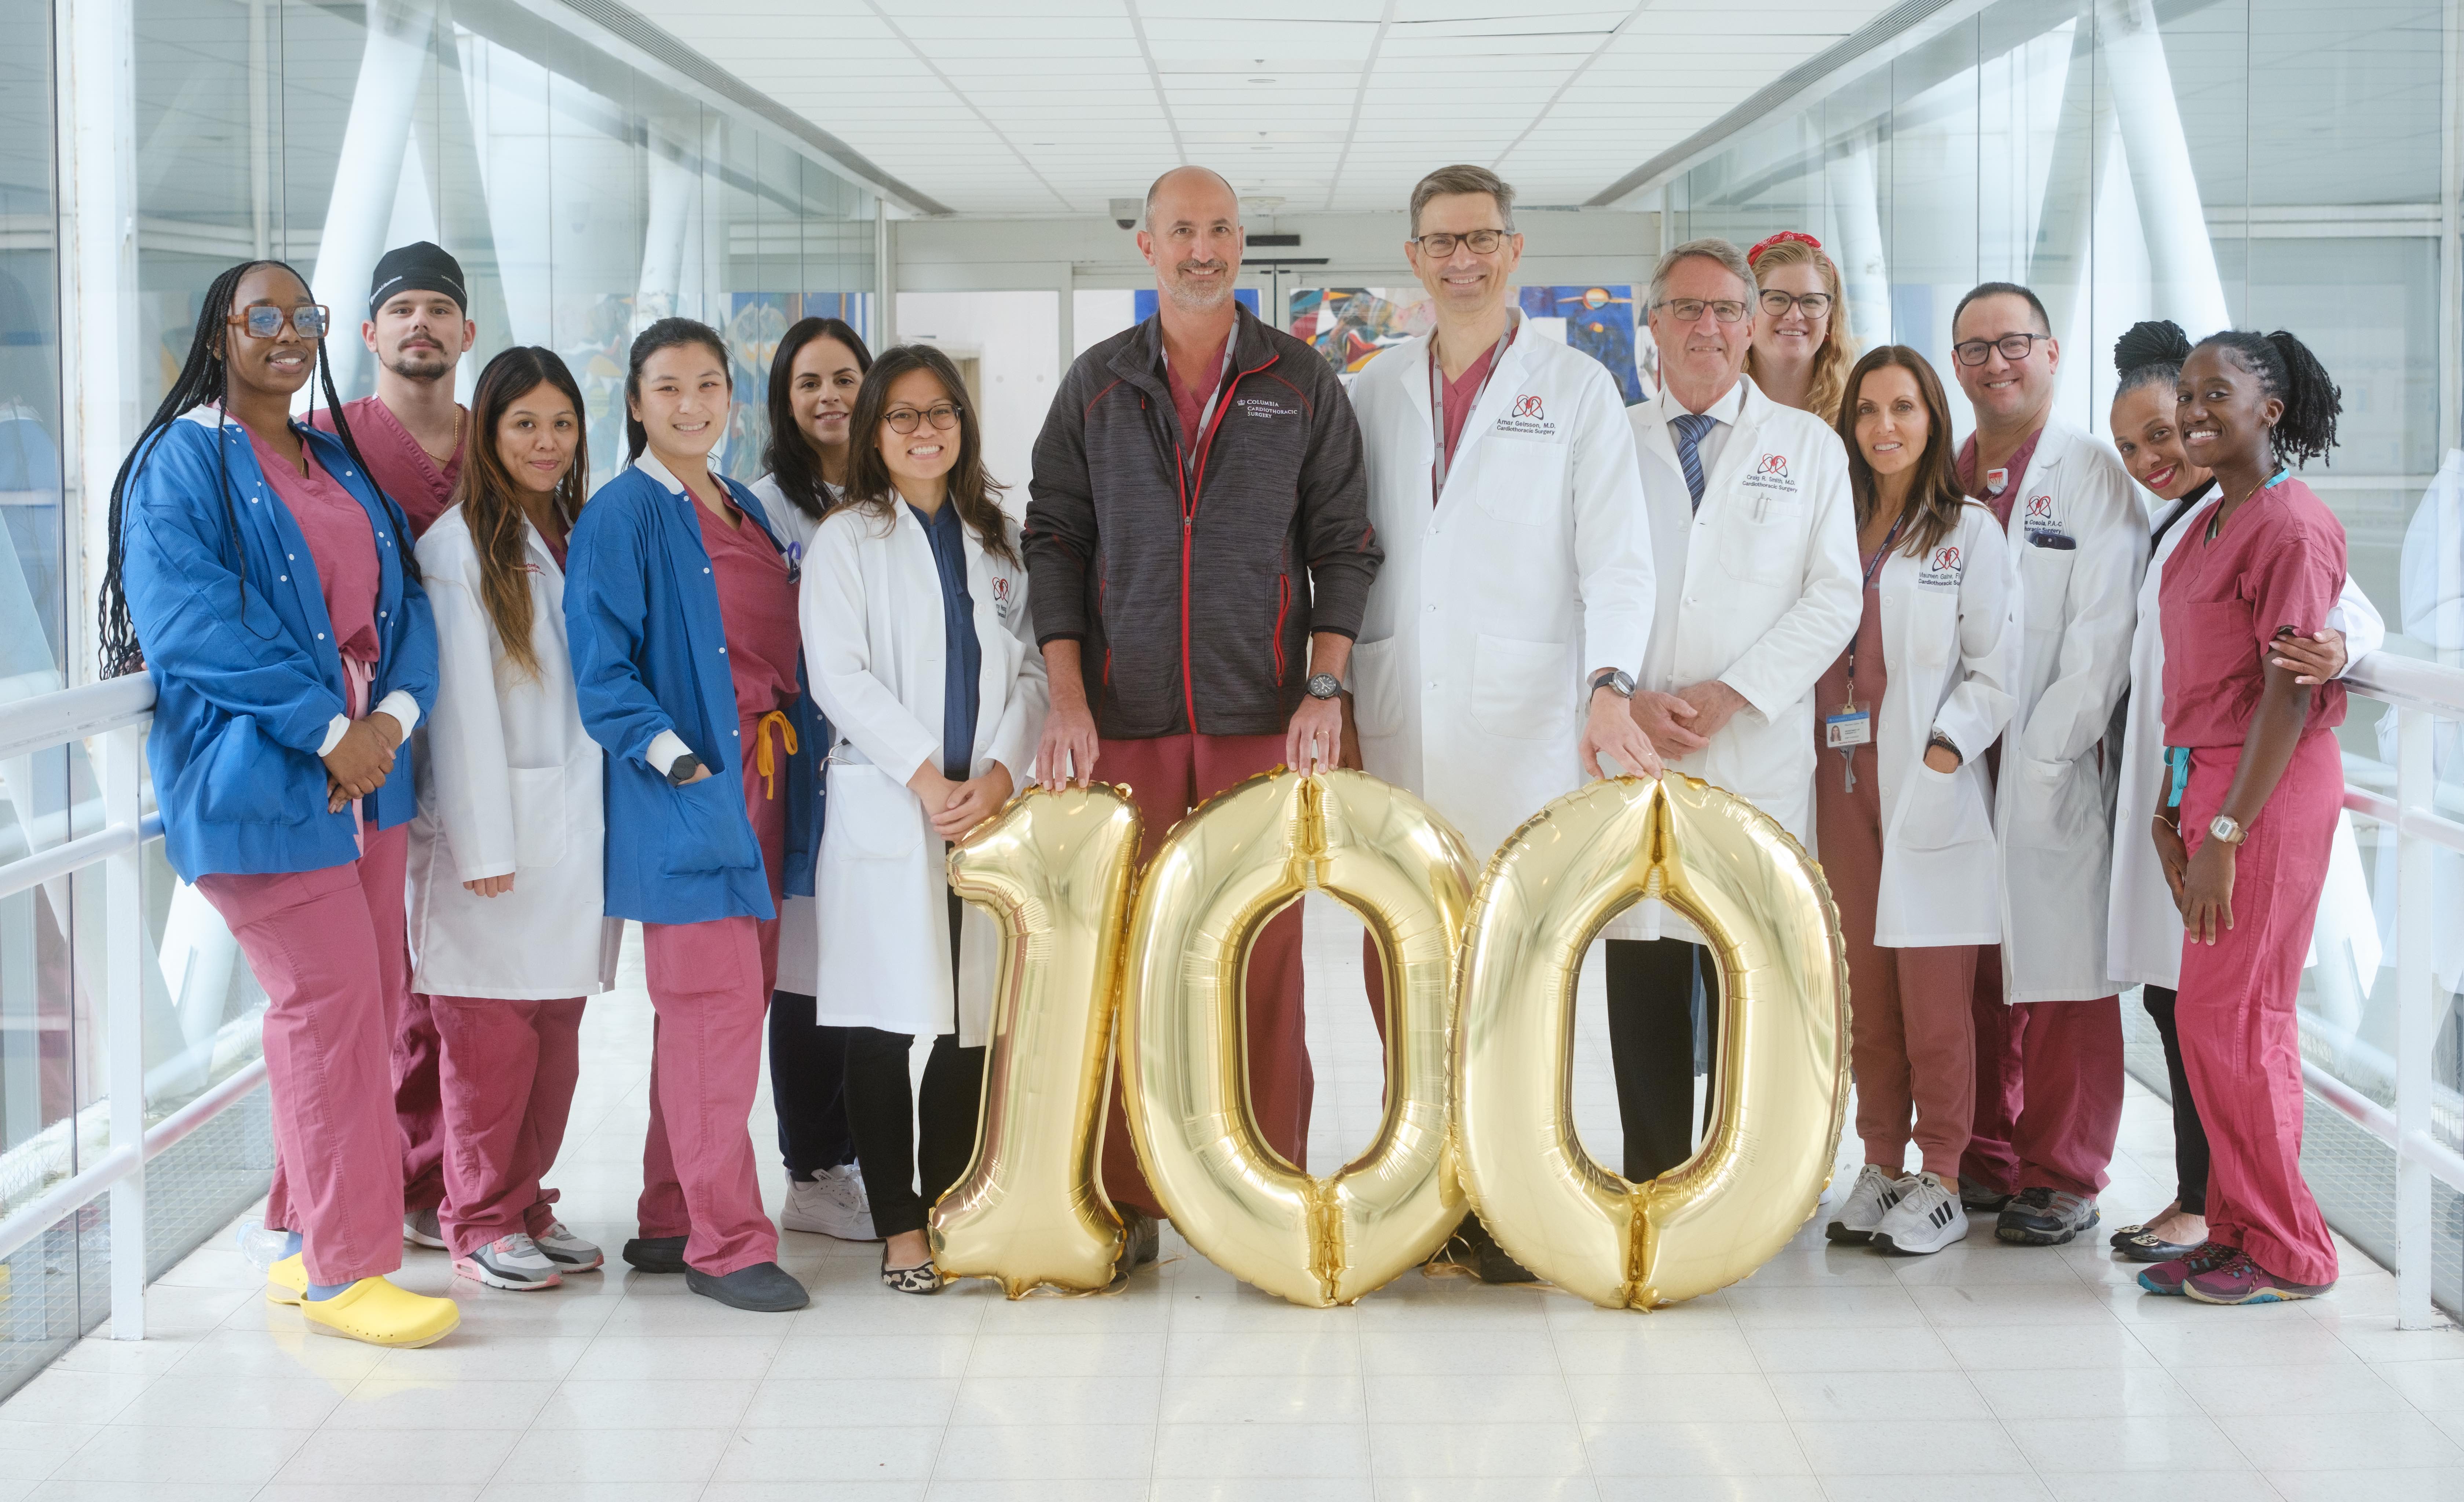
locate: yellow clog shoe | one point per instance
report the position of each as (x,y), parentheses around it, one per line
(375,1310)
(286,1282)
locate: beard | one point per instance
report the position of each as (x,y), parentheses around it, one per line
(420,364)
(1198,299)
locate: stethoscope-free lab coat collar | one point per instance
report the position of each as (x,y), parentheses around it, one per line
(1438,397)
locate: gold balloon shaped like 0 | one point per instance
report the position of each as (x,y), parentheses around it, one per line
(1055,870)
(1218,876)
(1782,1077)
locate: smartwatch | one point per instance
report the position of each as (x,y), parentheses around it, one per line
(2228,829)
(681,770)
(1615,680)
(1325,685)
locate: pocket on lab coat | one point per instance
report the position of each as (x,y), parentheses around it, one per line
(1376,697)
(1943,809)
(2054,805)
(707,828)
(1765,544)
(872,816)
(236,787)
(538,814)
(1520,689)
(1539,469)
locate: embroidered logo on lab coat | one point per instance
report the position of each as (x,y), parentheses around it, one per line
(1526,416)
(1000,597)
(1942,570)
(1769,474)
(2043,528)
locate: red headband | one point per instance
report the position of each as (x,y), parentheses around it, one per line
(1791,235)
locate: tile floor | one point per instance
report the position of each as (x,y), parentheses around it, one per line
(1830,1375)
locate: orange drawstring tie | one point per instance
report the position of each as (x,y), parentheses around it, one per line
(763,762)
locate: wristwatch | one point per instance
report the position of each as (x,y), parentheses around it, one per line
(1615,680)
(681,770)
(1325,685)
(2228,829)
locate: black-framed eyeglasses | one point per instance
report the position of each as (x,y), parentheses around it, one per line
(1776,303)
(942,415)
(1689,310)
(2014,348)
(263,320)
(1483,242)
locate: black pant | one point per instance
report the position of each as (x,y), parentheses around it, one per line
(2190,1138)
(808,1087)
(898,1136)
(1652,993)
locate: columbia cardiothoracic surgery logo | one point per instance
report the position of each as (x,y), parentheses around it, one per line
(1942,569)
(1529,407)
(1526,416)
(2040,511)
(1770,473)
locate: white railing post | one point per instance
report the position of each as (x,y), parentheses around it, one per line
(121,756)
(2415,1249)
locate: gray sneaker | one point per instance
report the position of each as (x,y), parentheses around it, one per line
(2042,1217)
(513,1262)
(419,1227)
(568,1252)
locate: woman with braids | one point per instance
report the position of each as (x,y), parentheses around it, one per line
(917,626)
(1801,350)
(264,581)
(1903,809)
(2251,762)
(813,382)
(2144,943)
(680,606)
(507,889)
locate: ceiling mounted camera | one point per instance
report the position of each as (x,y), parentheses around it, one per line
(1127,211)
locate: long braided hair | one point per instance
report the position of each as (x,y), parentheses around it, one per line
(2289,372)
(205,376)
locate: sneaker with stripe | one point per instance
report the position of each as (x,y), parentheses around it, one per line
(1927,1218)
(1869,1199)
(513,1262)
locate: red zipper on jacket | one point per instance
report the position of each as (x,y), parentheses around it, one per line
(1190,488)
(1283,611)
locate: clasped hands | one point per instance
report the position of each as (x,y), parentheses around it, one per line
(957,807)
(362,760)
(1682,722)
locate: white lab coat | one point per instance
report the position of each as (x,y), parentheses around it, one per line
(797,924)
(510,785)
(1940,883)
(1759,589)
(1495,603)
(873,650)
(2143,928)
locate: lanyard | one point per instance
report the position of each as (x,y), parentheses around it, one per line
(1438,400)
(1871,564)
(1193,441)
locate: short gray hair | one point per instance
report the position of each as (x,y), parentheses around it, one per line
(1463,178)
(1711,247)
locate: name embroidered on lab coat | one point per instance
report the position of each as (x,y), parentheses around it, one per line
(1000,597)
(1526,416)
(1769,474)
(2043,528)
(1944,569)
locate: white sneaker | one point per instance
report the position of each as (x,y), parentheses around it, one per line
(420,1228)
(1927,1218)
(1869,1199)
(832,1202)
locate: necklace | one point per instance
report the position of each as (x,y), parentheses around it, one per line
(455,447)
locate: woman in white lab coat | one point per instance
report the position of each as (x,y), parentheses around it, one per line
(2144,928)
(814,377)
(1901,801)
(921,653)
(506,892)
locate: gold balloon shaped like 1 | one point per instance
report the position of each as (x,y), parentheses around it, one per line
(1055,870)
(1222,874)
(1782,1077)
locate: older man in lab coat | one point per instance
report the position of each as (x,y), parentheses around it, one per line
(1494,666)
(1754,535)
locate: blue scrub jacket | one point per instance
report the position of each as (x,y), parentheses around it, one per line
(640,614)
(245,694)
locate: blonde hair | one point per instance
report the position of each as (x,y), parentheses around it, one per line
(1837,352)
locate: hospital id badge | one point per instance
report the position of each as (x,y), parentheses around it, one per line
(1849,727)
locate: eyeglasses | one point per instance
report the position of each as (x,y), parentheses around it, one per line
(310,321)
(1483,242)
(942,415)
(2014,348)
(1776,303)
(1689,310)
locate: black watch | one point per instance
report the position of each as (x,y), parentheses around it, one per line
(1325,685)
(1615,680)
(681,770)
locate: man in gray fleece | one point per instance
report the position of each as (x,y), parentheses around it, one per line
(1200,555)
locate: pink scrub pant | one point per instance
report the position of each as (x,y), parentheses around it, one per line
(2241,1041)
(1169,775)
(419,1106)
(506,1072)
(329,948)
(2048,1089)
(710,986)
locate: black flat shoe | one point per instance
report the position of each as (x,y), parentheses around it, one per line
(2140,1246)
(1472,1249)
(2121,1234)
(1141,1238)
(924,1279)
(764,1289)
(656,1254)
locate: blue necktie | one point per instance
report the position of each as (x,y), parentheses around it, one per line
(1690,427)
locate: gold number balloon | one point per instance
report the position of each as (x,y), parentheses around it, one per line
(1222,873)
(1782,1080)
(1055,870)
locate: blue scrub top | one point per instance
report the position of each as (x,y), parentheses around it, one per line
(964,664)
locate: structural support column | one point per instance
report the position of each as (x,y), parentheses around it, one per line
(126,948)
(369,174)
(1853,177)
(2416,1024)
(97,147)
(885,278)
(2183,284)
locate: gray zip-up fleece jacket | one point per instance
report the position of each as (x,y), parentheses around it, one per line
(1194,588)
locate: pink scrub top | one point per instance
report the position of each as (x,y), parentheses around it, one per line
(756,605)
(1460,392)
(1981,487)
(401,467)
(340,541)
(2278,561)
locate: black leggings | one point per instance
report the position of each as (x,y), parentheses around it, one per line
(897,1135)
(807,1074)
(1655,989)
(2190,1138)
